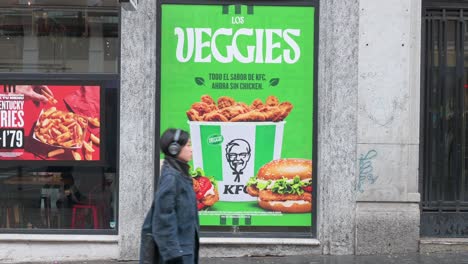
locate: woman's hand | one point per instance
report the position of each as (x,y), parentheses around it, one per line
(33,92)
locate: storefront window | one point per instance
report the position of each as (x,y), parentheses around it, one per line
(59,94)
(57,198)
(63,41)
(58,157)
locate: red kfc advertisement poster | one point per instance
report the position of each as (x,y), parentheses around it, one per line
(46,122)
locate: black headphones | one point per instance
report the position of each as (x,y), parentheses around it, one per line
(174,147)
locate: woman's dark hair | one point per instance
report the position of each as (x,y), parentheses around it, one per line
(168,137)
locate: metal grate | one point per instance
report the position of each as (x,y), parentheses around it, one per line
(445,65)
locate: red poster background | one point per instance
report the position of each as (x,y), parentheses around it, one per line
(82,100)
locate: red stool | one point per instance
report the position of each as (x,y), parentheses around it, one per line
(81,216)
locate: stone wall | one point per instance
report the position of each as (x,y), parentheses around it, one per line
(337,124)
(368,128)
(388,127)
(137,123)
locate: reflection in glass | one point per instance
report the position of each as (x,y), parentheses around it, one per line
(67,41)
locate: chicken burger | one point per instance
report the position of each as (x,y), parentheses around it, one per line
(205,188)
(283,185)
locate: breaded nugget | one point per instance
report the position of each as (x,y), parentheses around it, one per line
(209,101)
(286,108)
(201,107)
(193,115)
(257,104)
(233,111)
(215,116)
(225,101)
(271,113)
(272,100)
(252,116)
(243,105)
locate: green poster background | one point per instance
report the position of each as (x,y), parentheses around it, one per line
(183,83)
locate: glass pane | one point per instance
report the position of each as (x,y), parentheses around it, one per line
(434,41)
(450,174)
(451,35)
(66,41)
(434,124)
(45,182)
(464,180)
(444,128)
(57,198)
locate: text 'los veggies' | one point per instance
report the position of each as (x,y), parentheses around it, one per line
(268,44)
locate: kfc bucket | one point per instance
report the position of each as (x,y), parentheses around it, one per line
(234,151)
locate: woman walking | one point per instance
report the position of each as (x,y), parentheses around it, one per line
(172,221)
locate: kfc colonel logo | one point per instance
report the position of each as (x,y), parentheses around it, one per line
(238,155)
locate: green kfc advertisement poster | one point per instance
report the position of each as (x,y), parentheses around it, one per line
(240,79)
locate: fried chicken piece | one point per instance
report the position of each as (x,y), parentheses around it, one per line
(252,190)
(243,105)
(209,101)
(210,199)
(267,195)
(286,108)
(252,116)
(271,113)
(225,101)
(193,115)
(201,107)
(272,100)
(213,107)
(230,110)
(215,116)
(233,111)
(257,104)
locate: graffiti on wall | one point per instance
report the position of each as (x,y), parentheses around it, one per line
(366,170)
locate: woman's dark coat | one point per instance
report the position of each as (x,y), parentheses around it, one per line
(173,218)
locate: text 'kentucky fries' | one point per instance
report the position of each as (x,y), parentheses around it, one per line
(59,128)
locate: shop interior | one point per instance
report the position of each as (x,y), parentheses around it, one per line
(57,198)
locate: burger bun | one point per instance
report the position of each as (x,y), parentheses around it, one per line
(286,207)
(288,168)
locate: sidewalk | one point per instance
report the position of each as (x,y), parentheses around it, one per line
(455,258)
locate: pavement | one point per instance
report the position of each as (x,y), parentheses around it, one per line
(454,258)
